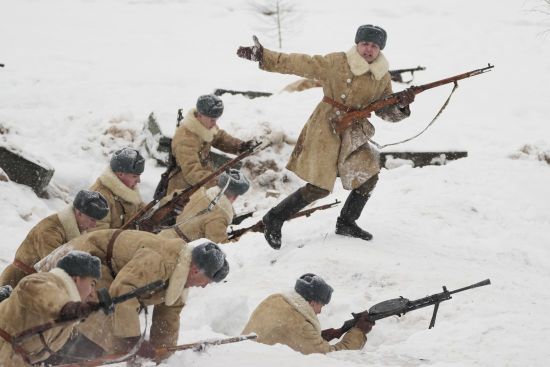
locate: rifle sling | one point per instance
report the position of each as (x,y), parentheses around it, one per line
(181,234)
(28,270)
(17,348)
(109,254)
(426,128)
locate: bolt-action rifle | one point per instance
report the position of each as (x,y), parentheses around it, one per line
(106,303)
(238,219)
(398,307)
(356,115)
(397,77)
(151,222)
(260,226)
(121,357)
(171,169)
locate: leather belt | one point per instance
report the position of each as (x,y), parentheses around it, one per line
(181,234)
(28,270)
(338,105)
(109,254)
(8,338)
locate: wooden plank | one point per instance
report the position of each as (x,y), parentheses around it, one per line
(421,159)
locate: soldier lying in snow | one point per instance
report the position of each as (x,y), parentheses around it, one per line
(193,139)
(59,294)
(119,186)
(51,232)
(291,319)
(131,259)
(210,211)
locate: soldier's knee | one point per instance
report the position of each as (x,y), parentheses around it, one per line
(311,193)
(369,185)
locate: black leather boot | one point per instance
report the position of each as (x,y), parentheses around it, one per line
(345,224)
(275,218)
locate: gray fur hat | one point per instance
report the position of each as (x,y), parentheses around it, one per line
(211,260)
(80,264)
(371,33)
(91,203)
(127,160)
(210,105)
(238,183)
(313,288)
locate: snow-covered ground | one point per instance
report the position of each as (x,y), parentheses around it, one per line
(82,76)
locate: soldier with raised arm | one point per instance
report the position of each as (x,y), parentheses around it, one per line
(350,81)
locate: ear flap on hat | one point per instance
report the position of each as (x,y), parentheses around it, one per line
(176,283)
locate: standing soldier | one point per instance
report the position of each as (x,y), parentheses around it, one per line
(350,81)
(119,186)
(60,294)
(291,319)
(51,232)
(132,259)
(210,211)
(193,139)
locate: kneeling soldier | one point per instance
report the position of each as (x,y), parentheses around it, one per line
(132,259)
(291,319)
(119,186)
(51,232)
(210,211)
(60,294)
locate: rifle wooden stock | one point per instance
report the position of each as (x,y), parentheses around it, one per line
(137,292)
(121,357)
(398,307)
(177,203)
(350,117)
(259,226)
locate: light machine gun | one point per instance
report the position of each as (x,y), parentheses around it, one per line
(398,307)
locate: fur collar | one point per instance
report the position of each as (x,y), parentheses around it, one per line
(303,307)
(223,203)
(68,282)
(109,179)
(68,221)
(176,283)
(191,123)
(359,66)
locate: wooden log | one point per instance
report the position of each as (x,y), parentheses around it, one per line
(421,159)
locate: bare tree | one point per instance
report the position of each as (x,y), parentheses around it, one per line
(276,16)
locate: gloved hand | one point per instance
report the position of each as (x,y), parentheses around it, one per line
(246,145)
(147,350)
(405,97)
(364,324)
(77,310)
(253,53)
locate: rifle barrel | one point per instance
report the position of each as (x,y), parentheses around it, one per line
(479,284)
(455,78)
(139,291)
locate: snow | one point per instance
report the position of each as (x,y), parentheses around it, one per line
(82,76)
